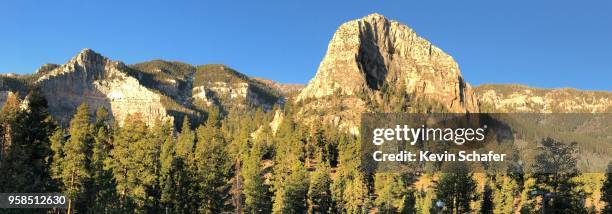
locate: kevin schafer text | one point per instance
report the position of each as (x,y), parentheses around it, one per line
(428,156)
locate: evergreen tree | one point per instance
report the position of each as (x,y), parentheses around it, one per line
(319,192)
(58,139)
(487,199)
(555,168)
(176,193)
(75,168)
(185,140)
(13,157)
(606,191)
(293,192)
(504,189)
(36,127)
(392,192)
(213,170)
(25,148)
(102,190)
(457,189)
(350,188)
(134,161)
(256,195)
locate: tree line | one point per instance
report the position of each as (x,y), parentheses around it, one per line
(236,162)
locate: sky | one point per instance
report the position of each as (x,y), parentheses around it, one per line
(548,44)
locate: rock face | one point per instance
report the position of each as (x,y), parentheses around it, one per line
(155,89)
(217,84)
(286,89)
(368,55)
(519,98)
(93,79)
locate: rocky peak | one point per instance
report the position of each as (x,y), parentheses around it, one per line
(87,59)
(367,56)
(373,51)
(96,80)
(46,68)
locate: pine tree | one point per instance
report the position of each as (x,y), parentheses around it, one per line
(457,189)
(606,191)
(164,136)
(293,192)
(392,192)
(319,192)
(134,161)
(289,151)
(350,188)
(185,141)
(103,193)
(58,139)
(504,190)
(13,157)
(176,194)
(257,197)
(75,165)
(355,195)
(487,199)
(556,170)
(213,170)
(25,147)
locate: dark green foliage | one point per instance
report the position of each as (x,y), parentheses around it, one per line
(176,193)
(213,170)
(185,141)
(457,189)
(134,162)
(606,191)
(291,197)
(75,165)
(25,145)
(487,201)
(556,169)
(393,193)
(319,192)
(256,194)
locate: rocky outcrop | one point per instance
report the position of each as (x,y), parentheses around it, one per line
(273,126)
(519,98)
(93,79)
(367,56)
(221,85)
(46,68)
(285,89)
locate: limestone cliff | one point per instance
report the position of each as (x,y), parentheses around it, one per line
(217,84)
(93,79)
(519,98)
(155,89)
(367,57)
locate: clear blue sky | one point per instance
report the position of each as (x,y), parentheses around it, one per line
(539,43)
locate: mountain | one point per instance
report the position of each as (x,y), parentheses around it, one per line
(372,58)
(372,64)
(156,89)
(100,82)
(520,98)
